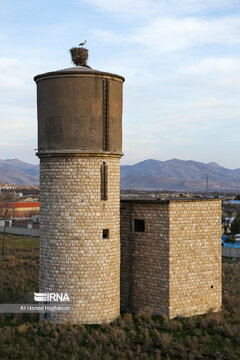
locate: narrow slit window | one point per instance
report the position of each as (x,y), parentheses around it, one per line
(139,225)
(104,181)
(105,234)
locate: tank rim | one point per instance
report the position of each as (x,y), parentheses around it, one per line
(77,70)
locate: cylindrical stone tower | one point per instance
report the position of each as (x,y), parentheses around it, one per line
(80,146)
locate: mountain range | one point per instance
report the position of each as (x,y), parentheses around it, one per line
(14,171)
(179,175)
(175,175)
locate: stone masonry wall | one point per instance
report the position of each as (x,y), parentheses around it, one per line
(195,257)
(125,267)
(74,256)
(175,267)
(145,274)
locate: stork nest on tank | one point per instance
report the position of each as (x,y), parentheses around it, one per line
(79,56)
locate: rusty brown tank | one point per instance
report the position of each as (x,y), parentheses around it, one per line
(80,109)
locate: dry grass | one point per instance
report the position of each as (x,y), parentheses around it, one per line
(141,336)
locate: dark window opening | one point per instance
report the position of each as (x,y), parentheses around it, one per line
(105,234)
(104,181)
(139,225)
(211,286)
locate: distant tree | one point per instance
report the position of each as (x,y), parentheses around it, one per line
(235,226)
(237,197)
(8,196)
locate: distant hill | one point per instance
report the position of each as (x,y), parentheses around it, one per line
(14,171)
(179,175)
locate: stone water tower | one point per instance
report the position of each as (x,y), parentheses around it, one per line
(80,146)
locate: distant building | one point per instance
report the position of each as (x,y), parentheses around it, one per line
(237,237)
(36,219)
(27,199)
(22,209)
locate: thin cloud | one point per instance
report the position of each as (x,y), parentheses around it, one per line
(109,36)
(11,144)
(166,34)
(213,65)
(149,8)
(214,103)
(12,126)
(215,75)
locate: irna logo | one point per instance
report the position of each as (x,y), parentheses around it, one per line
(51,297)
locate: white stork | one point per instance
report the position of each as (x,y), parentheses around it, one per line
(83,43)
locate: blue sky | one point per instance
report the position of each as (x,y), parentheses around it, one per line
(180,58)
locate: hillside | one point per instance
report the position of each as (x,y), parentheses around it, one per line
(179,175)
(14,171)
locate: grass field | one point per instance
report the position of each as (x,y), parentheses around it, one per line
(140,336)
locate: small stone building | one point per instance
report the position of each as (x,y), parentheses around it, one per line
(171,256)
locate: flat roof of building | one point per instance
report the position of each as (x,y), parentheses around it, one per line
(23,204)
